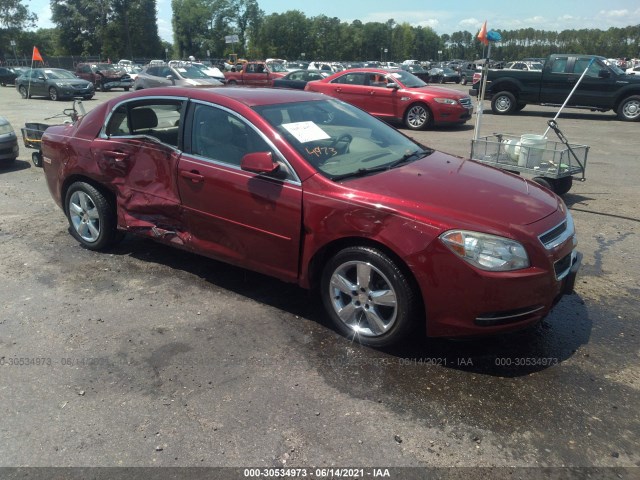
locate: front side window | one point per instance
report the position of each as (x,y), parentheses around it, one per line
(221,136)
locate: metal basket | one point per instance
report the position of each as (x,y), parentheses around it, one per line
(555,160)
(32,134)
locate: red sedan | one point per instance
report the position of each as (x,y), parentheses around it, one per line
(397,95)
(314,191)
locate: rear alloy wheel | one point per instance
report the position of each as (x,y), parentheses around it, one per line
(417,116)
(23,91)
(368,297)
(92,219)
(53,93)
(503,103)
(629,109)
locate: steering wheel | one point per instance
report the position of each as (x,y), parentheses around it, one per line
(345,139)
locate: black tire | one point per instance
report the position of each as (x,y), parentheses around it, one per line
(562,185)
(36,159)
(629,109)
(24,93)
(126,89)
(503,103)
(53,94)
(441,80)
(463,80)
(545,182)
(520,106)
(92,218)
(418,117)
(232,82)
(349,284)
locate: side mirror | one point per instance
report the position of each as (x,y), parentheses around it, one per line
(259,162)
(172,79)
(604,73)
(393,85)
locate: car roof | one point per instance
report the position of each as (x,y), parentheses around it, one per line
(248,96)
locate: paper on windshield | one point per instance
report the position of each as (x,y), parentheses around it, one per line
(306,132)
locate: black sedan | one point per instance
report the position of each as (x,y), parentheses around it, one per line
(7,76)
(418,71)
(444,75)
(55,83)
(299,78)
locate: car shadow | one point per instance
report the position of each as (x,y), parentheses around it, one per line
(566,115)
(549,343)
(14,166)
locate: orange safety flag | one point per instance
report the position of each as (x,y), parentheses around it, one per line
(482,36)
(36,57)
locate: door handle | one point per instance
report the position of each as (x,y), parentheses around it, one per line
(117,156)
(193,175)
(338,89)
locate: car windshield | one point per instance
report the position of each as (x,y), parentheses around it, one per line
(408,79)
(276,67)
(59,74)
(189,71)
(339,140)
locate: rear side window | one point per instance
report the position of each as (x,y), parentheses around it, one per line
(160,119)
(559,65)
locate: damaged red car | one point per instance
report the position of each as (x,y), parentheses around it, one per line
(394,235)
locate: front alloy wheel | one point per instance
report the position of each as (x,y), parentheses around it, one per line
(417,117)
(368,296)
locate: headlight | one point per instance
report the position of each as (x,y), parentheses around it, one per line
(487,252)
(448,101)
(63,84)
(6,128)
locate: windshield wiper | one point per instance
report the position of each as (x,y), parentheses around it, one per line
(361,172)
(415,155)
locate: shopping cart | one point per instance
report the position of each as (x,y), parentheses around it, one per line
(552,164)
(33,131)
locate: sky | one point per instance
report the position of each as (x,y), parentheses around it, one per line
(443,17)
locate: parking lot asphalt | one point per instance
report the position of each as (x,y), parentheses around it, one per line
(150,356)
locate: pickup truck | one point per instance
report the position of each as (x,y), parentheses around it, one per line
(257,74)
(604,87)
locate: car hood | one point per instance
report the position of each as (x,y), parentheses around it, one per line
(442,187)
(70,81)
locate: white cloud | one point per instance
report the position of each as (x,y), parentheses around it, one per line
(614,13)
(470,23)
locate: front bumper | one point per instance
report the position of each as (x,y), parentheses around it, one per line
(108,84)
(9,149)
(71,92)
